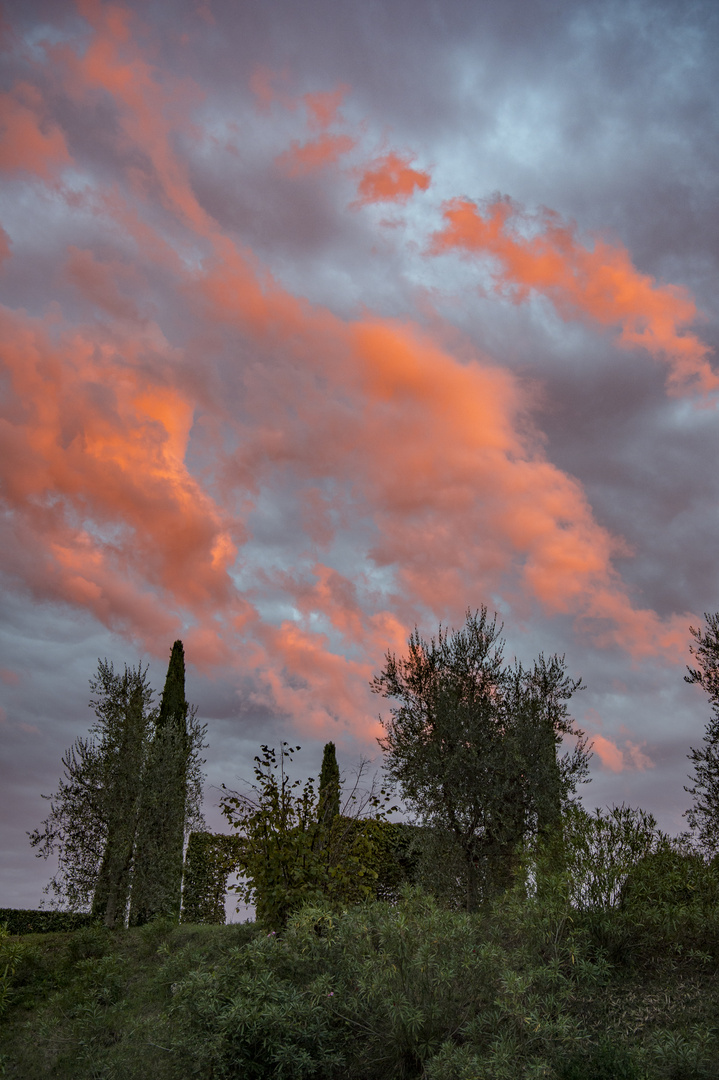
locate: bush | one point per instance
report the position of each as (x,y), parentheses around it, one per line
(603,1062)
(671,901)
(373,991)
(29,921)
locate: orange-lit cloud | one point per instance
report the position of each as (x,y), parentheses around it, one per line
(608,753)
(263,84)
(390,179)
(598,283)
(29,142)
(323,108)
(132,455)
(613,757)
(304,158)
(94,477)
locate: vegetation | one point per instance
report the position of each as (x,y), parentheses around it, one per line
(531,986)
(157,866)
(294,849)
(472,747)
(508,935)
(136,779)
(703,816)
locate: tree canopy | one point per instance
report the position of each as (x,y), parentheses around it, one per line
(703,815)
(94,814)
(472,744)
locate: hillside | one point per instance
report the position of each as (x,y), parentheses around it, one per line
(529,989)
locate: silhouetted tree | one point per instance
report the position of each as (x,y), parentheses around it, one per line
(124,777)
(703,816)
(329,793)
(157,873)
(472,746)
(93,815)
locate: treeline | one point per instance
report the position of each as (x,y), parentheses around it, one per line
(471,744)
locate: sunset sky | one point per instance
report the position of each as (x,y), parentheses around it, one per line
(321,321)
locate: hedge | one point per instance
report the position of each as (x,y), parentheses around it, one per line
(28,921)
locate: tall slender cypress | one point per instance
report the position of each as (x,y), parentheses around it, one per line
(157,869)
(329,793)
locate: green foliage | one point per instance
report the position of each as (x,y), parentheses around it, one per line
(289,857)
(28,921)
(11,953)
(377,991)
(472,746)
(157,868)
(93,819)
(123,785)
(671,899)
(602,848)
(329,794)
(703,816)
(369,992)
(209,860)
(605,1061)
(95,808)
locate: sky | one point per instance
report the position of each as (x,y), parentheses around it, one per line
(324,321)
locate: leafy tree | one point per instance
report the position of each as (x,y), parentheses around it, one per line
(123,786)
(157,874)
(703,816)
(93,814)
(472,746)
(288,856)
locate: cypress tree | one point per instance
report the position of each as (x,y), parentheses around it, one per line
(329,793)
(157,870)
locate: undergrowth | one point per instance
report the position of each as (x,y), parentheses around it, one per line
(531,988)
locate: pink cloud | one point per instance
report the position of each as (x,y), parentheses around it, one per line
(323,107)
(608,753)
(373,424)
(598,284)
(304,158)
(29,141)
(390,179)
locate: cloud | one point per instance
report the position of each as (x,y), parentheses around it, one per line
(305,158)
(99,282)
(29,141)
(100,500)
(390,179)
(541,253)
(323,107)
(138,452)
(608,753)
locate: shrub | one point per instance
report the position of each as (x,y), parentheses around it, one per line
(605,1061)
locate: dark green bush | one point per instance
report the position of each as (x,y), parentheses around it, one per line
(605,1061)
(28,921)
(671,901)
